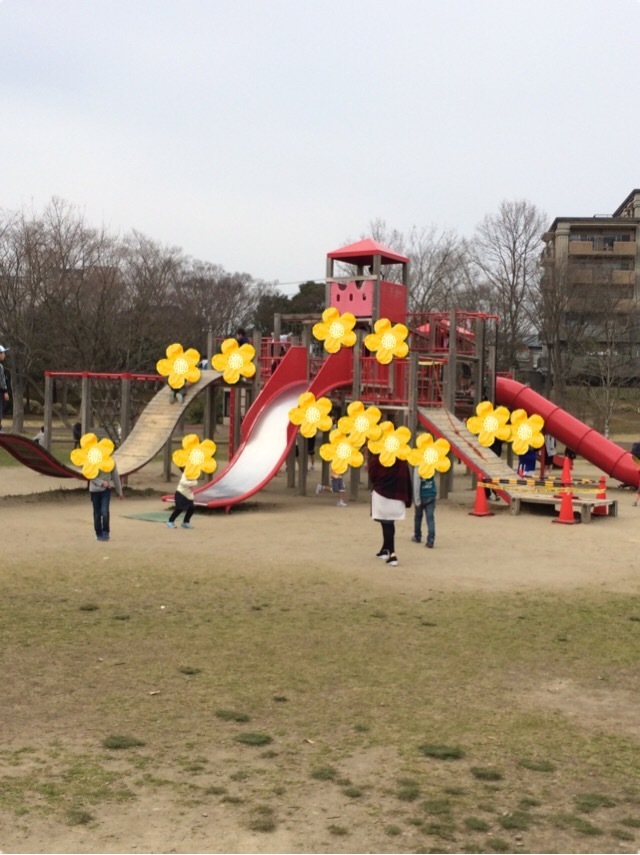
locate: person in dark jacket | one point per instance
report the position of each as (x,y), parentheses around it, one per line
(390,497)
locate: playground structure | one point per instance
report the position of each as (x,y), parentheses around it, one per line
(450,368)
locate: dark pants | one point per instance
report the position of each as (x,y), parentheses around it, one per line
(428,508)
(100,500)
(182,504)
(388,535)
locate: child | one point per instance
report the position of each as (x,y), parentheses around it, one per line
(527,464)
(39,437)
(176,394)
(100,492)
(425,492)
(337,486)
(184,502)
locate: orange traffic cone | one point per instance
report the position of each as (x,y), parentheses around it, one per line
(566,478)
(566,509)
(481,509)
(601,510)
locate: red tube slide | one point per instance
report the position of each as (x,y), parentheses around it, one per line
(585,441)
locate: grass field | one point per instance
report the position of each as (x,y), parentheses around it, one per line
(163,698)
(302,702)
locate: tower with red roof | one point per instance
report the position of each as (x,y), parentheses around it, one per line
(368,295)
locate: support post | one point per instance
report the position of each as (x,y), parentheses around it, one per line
(209,415)
(491,373)
(85,407)
(125,407)
(237,419)
(478,379)
(48,409)
(412,393)
(210,346)
(166,460)
(302,464)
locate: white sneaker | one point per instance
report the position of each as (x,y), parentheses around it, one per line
(318,489)
(341,504)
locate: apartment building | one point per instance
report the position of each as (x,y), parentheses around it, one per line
(591,277)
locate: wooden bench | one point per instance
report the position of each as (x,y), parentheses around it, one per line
(584,507)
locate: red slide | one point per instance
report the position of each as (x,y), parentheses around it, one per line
(267,434)
(585,441)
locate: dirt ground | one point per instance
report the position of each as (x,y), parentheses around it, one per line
(497,554)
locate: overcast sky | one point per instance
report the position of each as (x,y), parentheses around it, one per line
(262,134)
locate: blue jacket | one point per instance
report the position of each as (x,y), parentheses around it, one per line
(424,489)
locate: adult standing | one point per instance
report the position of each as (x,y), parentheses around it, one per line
(100,492)
(4,388)
(390,497)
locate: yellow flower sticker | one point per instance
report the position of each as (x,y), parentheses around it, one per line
(526,431)
(392,445)
(341,452)
(180,366)
(311,415)
(387,341)
(335,330)
(235,361)
(430,456)
(490,424)
(360,424)
(195,457)
(93,456)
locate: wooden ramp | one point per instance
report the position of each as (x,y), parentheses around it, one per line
(155,425)
(482,461)
(151,431)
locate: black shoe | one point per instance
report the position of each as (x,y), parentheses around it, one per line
(384,553)
(392,560)
(416,539)
(429,545)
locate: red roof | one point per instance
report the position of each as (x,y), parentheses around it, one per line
(362,253)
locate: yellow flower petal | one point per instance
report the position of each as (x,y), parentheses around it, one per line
(234,361)
(392,445)
(93,456)
(195,457)
(311,415)
(430,456)
(179,366)
(341,453)
(335,330)
(387,341)
(361,424)
(490,424)
(526,431)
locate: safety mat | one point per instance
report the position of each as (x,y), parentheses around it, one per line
(152,516)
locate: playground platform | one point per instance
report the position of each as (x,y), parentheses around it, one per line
(583,506)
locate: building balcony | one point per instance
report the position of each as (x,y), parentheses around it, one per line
(623,277)
(627,247)
(619,247)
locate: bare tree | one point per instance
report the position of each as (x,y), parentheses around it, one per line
(505,250)
(439,272)
(213,300)
(606,313)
